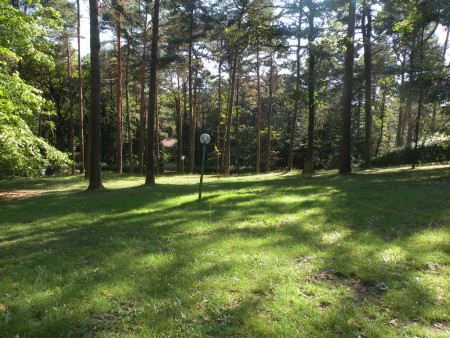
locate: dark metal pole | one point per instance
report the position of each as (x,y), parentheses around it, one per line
(202,170)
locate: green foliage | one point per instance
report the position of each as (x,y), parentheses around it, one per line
(213,33)
(26,34)
(438,152)
(21,151)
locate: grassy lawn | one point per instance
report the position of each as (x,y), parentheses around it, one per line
(277,255)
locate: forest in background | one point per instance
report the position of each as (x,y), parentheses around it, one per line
(277,85)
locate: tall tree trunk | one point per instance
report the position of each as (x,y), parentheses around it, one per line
(150,165)
(87,172)
(345,165)
(433,118)
(95,120)
(401,111)
(71,127)
(435,105)
(80,92)
(234,61)
(258,113)
(143,113)
(399,135)
(230,114)
(297,92)
(383,109)
(237,132)
(408,120)
(185,101)
(367,33)
(269,117)
(127,103)
(219,116)
(119,96)
(201,110)
(193,128)
(179,127)
(444,53)
(192,117)
(157,157)
(420,104)
(358,118)
(308,167)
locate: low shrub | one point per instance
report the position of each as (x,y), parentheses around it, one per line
(438,152)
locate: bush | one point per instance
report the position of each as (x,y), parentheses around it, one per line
(438,152)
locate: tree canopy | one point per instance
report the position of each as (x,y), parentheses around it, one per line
(23,109)
(265,79)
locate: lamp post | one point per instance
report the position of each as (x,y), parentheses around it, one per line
(182,161)
(204,140)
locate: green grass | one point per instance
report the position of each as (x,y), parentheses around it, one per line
(277,255)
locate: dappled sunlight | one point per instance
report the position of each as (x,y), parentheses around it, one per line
(438,238)
(255,255)
(393,254)
(335,236)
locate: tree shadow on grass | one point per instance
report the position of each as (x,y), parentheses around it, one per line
(106,264)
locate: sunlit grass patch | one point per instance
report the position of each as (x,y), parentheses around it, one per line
(269,255)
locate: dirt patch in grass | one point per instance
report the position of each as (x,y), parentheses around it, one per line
(359,288)
(328,275)
(364,289)
(123,314)
(19,194)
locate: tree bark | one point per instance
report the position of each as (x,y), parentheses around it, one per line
(179,127)
(345,165)
(269,117)
(71,127)
(143,112)
(435,106)
(367,32)
(192,117)
(445,44)
(308,167)
(95,174)
(258,113)
(383,109)
(230,114)
(408,120)
(401,112)
(119,96)
(297,92)
(233,61)
(219,115)
(237,132)
(420,104)
(80,91)
(127,104)
(358,116)
(150,165)
(157,157)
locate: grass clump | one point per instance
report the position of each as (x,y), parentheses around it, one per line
(275,255)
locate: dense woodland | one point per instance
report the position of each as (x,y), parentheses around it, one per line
(279,85)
